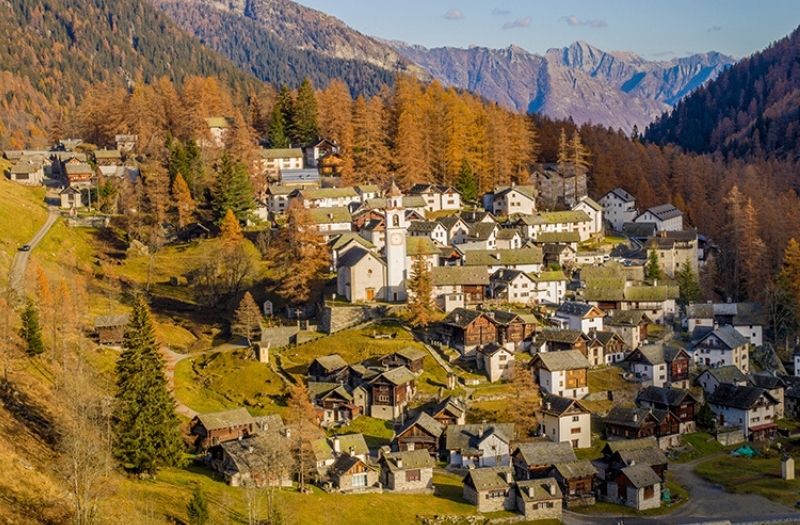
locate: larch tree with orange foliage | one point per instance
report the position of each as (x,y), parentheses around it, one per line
(302,419)
(300,256)
(184,203)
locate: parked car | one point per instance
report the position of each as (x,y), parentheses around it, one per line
(25,248)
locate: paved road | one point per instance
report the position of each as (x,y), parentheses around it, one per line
(16,278)
(707,503)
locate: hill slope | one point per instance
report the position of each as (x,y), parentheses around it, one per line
(53,49)
(750,110)
(249,37)
(580,81)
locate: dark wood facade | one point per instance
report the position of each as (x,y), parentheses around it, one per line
(417,438)
(648,427)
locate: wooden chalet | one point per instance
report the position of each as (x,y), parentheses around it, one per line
(328,368)
(556,340)
(422,432)
(333,402)
(411,358)
(634,423)
(463,329)
(678,401)
(576,479)
(449,411)
(678,362)
(617,455)
(219,427)
(390,392)
(110,329)
(351,474)
(535,460)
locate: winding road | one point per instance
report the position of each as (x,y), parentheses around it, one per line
(708,503)
(16,277)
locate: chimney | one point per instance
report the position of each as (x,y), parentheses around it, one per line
(549,405)
(508,477)
(531,491)
(632,463)
(552,488)
(337,444)
(351,451)
(635,417)
(399,462)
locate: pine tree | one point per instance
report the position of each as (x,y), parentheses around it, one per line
(304,122)
(184,204)
(420,288)
(232,190)
(31,331)
(197,508)
(146,427)
(467,184)
(652,270)
(688,284)
(230,232)
(247,318)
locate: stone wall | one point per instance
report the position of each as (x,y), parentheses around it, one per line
(333,319)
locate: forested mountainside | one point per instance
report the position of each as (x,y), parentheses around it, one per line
(52,50)
(254,46)
(752,110)
(615,89)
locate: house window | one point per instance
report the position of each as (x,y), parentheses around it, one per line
(413,475)
(575,419)
(649,492)
(359,480)
(576,430)
(503,357)
(495,494)
(369,273)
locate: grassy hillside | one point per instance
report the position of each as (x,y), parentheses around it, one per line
(22,213)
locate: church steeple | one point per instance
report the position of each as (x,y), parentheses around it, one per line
(395,245)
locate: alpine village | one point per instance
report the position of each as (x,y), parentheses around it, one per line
(261,268)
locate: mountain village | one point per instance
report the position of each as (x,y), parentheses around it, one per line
(583,305)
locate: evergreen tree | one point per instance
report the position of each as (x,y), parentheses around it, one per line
(705,417)
(197,508)
(466,183)
(652,269)
(31,330)
(229,229)
(420,304)
(146,428)
(232,190)
(304,121)
(277,128)
(688,284)
(247,318)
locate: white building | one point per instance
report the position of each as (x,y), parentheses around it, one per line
(562,373)
(750,408)
(619,207)
(747,318)
(512,286)
(723,346)
(495,361)
(326,197)
(595,212)
(566,420)
(510,200)
(433,230)
(580,316)
(437,198)
(479,445)
(396,270)
(550,286)
(557,222)
(278,198)
(360,275)
(666,217)
(457,229)
(711,378)
(525,259)
(649,365)
(275,160)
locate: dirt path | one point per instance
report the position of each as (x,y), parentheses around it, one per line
(16,277)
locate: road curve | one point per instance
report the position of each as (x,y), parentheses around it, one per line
(16,277)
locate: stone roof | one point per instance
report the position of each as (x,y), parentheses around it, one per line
(226,418)
(649,456)
(78,168)
(622,195)
(354,255)
(426,422)
(107,154)
(461,317)
(557,238)
(482,231)
(503,257)
(218,122)
(508,233)
(728,335)
(557,405)
(639,230)
(528,190)
(506,275)
(470,217)
(549,276)
(281,153)
(564,360)
(453,405)
(664,211)
(726,374)
(253,453)
(557,335)
(411,353)
(421,246)
(650,354)
(410,459)
(632,417)
(766,380)
(341,240)
(613,447)
(459,276)
(574,308)
(489,478)
(337,214)
(575,469)
(561,217)
(641,476)
(739,397)
(422,226)
(539,490)
(110,321)
(461,437)
(399,376)
(343,464)
(545,453)
(330,363)
(672,397)
(592,203)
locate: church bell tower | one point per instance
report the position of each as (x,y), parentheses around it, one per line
(396,227)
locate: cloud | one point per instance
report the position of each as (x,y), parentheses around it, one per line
(593,23)
(518,23)
(453,14)
(714,29)
(497,11)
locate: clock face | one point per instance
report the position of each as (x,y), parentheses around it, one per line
(396,238)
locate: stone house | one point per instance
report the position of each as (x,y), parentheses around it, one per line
(409,357)
(710,378)
(457,229)
(429,229)
(750,408)
(479,445)
(555,340)
(352,474)
(630,325)
(749,319)
(772,384)
(110,329)
(562,373)
(648,364)
(511,200)
(328,368)
(636,486)
(666,217)
(606,347)
(526,259)
(458,286)
(407,471)
(566,420)
(490,489)
(550,286)
(71,198)
(534,460)
(595,212)
(723,346)
(512,286)
(255,461)
(576,479)
(390,392)
(675,250)
(449,411)
(274,160)
(437,198)
(539,499)
(360,275)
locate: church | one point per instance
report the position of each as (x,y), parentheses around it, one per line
(363,274)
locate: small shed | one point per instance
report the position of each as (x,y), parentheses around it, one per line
(110,329)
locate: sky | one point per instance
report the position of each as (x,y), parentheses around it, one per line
(655,29)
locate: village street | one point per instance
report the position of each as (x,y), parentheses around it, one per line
(708,503)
